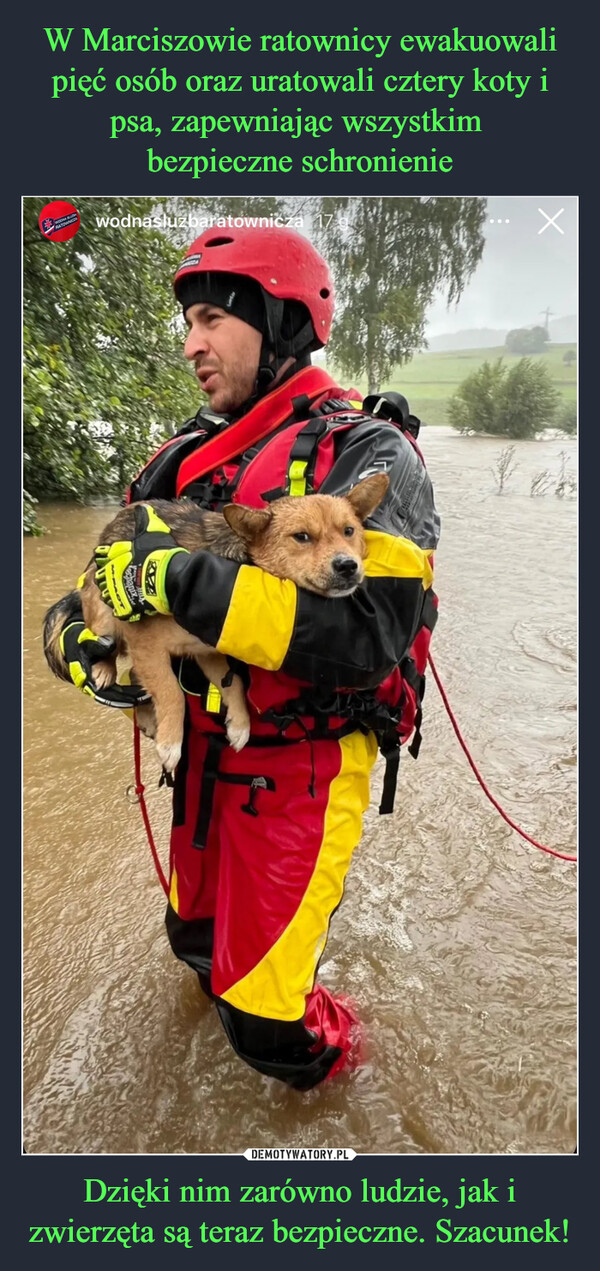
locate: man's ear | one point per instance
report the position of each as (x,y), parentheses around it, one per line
(367,494)
(247,523)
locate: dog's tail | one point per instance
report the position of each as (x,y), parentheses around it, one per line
(57,617)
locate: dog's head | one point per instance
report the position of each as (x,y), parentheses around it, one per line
(317,541)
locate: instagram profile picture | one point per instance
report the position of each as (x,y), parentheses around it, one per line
(59,221)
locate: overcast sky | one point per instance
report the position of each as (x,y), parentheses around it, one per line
(521,272)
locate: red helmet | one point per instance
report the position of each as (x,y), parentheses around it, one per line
(282,262)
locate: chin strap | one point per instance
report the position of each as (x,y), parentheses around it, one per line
(276,348)
(269,365)
(266,375)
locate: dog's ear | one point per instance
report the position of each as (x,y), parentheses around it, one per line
(247,523)
(366,495)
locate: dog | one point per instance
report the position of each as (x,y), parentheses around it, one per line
(317,541)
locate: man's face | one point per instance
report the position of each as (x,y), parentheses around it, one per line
(226,354)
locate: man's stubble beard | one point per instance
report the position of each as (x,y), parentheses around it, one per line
(237,389)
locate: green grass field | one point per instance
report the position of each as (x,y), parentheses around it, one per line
(430,379)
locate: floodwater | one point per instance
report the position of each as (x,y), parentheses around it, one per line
(456,938)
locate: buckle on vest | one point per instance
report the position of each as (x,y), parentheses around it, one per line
(301,407)
(213,699)
(297,476)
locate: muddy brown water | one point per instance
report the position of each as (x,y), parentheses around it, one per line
(456,939)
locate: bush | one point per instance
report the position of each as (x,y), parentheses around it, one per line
(566,418)
(473,407)
(540,484)
(513,403)
(505,467)
(527,399)
(566,481)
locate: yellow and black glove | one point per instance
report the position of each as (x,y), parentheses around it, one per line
(81,648)
(131,573)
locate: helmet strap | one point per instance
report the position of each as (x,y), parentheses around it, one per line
(275,350)
(276,343)
(266,372)
(272,344)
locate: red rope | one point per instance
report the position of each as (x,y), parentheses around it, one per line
(139,790)
(563,855)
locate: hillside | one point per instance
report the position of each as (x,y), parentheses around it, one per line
(562,331)
(430,379)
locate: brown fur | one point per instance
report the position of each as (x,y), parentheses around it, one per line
(264,537)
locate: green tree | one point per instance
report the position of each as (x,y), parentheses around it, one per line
(473,407)
(104,375)
(566,418)
(527,399)
(515,402)
(525,340)
(388,258)
(569,357)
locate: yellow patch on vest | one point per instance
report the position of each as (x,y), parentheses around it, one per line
(260,619)
(391,557)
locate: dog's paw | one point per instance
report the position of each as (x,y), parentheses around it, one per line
(169,755)
(104,674)
(145,719)
(237,734)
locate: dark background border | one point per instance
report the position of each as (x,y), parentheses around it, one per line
(544,148)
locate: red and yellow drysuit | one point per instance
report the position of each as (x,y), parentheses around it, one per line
(262,840)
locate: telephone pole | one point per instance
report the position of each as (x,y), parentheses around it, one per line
(549,314)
